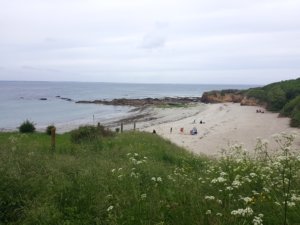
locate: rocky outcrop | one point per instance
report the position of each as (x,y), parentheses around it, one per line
(222,96)
(235,96)
(145,101)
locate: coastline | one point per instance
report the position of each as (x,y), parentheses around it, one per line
(224,124)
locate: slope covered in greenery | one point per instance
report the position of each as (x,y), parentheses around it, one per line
(283,97)
(140,178)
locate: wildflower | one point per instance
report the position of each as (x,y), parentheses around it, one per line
(135,175)
(143,196)
(219,201)
(113,170)
(218,180)
(242,212)
(120,169)
(236,184)
(247,200)
(208,212)
(223,174)
(209,197)
(128,154)
(135,154)
(295,198)
(219,214)
(158,179)
(266,190)
(257,220)
(153,179)
(253,175)
(110,208)
(291,204)
(229,188)
(120,176)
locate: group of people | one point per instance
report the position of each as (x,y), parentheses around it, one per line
(260,111)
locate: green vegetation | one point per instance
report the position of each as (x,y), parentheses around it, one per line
(281,97)
(140,178)
(89,133)
(27,127)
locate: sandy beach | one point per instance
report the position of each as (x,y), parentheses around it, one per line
(224,125)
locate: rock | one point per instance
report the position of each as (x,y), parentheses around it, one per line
(144,101)
(43,99)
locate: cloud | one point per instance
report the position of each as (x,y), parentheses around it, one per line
(156,38)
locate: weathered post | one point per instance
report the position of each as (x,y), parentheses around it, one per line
(53,138)
(121,127)
(134,126)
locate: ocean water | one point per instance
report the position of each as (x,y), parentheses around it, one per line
(20,100)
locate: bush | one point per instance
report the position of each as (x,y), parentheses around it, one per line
(295,120)
(89,133)
(49,128)
(27,127)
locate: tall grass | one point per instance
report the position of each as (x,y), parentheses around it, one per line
(139,178)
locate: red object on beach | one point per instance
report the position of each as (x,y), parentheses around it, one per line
(181,130)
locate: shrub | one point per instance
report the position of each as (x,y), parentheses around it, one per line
(295,120)
(49,128)
(89,133)
(27,127)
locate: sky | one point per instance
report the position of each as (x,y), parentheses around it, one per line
(150,41)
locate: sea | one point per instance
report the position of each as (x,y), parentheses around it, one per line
(21,100)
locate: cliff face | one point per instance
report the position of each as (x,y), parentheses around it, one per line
(234,96)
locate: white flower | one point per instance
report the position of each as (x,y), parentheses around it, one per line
(257,220)
(253,175)
(110,208)
(120,169)
(209,197)
(223,174)
(113,170)
(153,179)
(158,179)
(135,154)
(242,212)
(208,212)
(291,204)
(219,214)
(229,188)
(247,200)
(295,198)
(218,180)
(236,184)
(266,190)
(143,196)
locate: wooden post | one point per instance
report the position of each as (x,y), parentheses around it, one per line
(134,126)
(53,138)
(121,127)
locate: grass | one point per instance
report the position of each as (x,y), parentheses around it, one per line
(140,178)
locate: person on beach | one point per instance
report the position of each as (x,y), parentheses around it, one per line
(171,129)
(154,131)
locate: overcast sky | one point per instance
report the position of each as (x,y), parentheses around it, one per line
(150,41)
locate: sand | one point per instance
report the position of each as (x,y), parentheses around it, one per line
(224,125)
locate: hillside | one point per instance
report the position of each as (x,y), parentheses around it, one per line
(140,178)
(283,97)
